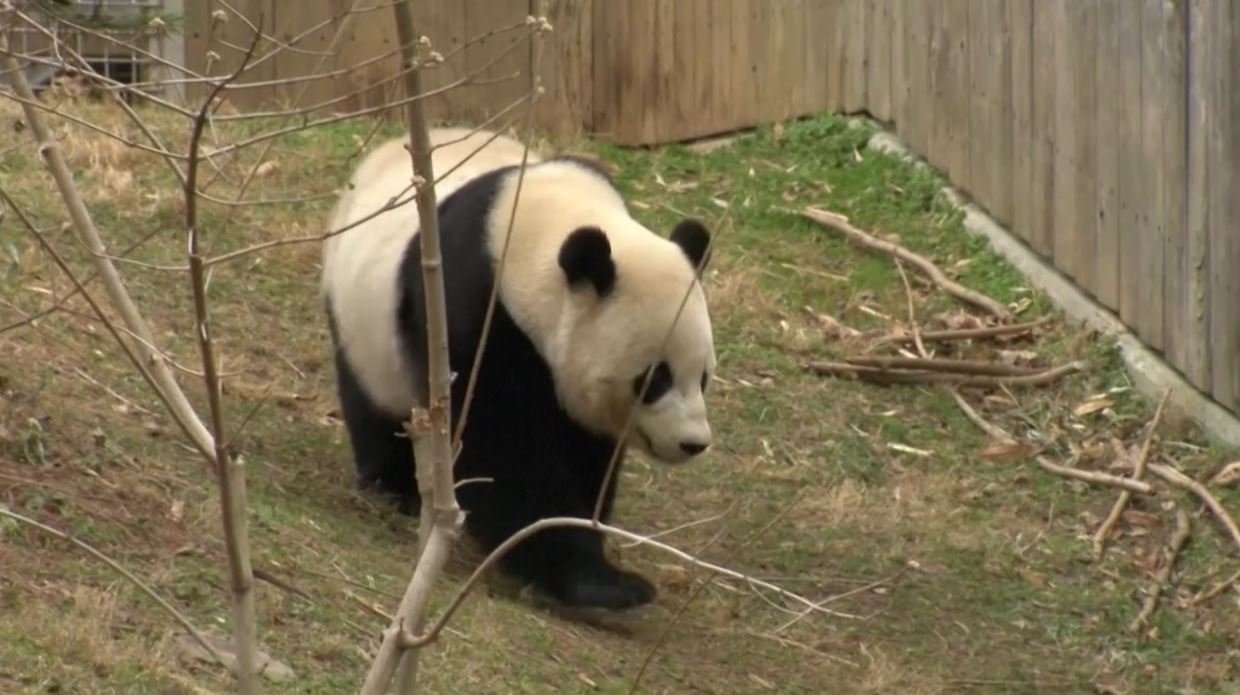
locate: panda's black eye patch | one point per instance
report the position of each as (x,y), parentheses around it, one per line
(660,382)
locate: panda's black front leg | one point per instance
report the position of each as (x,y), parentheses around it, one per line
(382,453)
(567,563)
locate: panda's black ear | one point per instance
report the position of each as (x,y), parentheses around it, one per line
(692,238)
(586,256)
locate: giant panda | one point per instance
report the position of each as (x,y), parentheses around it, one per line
(583,321)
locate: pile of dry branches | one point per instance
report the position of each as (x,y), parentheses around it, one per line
(914,363)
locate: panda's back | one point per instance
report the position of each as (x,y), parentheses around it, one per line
(361,284)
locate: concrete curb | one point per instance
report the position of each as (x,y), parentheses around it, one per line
(1150,374)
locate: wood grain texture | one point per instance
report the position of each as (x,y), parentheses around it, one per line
(878,58)
(852,59)
(1149,233)
(1224,212)
(1170,97)
(1128,132)
(1022,96)
(949,146)
(566,108)
(1196,308)
(1106,190)
(1075,24)
(898,77)
(1042,180)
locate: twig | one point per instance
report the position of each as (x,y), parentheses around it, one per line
(434,435)
(841,224)
(968,333)
(992,430)
(1097,477)
(574,522)
(1178,479)
(944,365)
(230,474)
(912,312)
(49,151)
(1216,590)
(176,614)
(879,375)
(1183,529)
(831,599)
(1138,472)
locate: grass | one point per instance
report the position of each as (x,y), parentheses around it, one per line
(993,589)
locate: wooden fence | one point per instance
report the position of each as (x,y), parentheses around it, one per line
(1106,133)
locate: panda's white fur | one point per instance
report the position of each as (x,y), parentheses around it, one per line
(589,344)
(591,306)
(360,265)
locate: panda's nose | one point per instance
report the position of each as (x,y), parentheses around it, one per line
(692,448)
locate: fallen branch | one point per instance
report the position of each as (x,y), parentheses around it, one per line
(992,430)
(1096,477)
(1138,471)
(1215,590)
(1183,529)
(944,365)
(840,224)
(1178,479)
(1009,330)
(878,375)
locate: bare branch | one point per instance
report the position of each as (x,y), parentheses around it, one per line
(1138,472)
(230,475)
(1178,479)
(1183,529)
(49,151)
(573,522)
(841,224)
(1096,477)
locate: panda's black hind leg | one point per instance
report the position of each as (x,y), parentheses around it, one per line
(382,452)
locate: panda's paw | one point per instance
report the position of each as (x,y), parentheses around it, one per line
(603,586)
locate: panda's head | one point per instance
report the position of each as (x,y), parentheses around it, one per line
(633,340)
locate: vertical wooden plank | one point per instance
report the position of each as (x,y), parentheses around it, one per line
(851,32)
(1170,97)
(1199,50)
(1022,98)
(1149,320)
(501,61)
(624,68)
(1000,124)
(827,30)
(743,63)
(878,58)
(949,146)
(819,54)
(1074,223)
(983,70)
(566,108)
(1131,163)
(1224,214)
(916,129)
(793,43)
(1106,115)
(1042,183)
(713,72)
(898,80)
